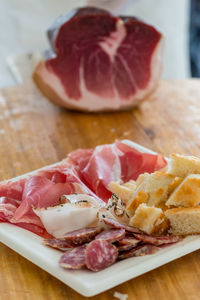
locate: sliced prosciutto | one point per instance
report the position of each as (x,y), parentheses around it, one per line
(114,162)
(99,61)
(39,192)
(67,196)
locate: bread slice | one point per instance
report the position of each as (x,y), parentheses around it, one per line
(151,220)
(184,221)
(124,191)
(174,184)
(141,197)
(182,165)
(131,184)
(141,178)
(187,194)
(153,191)
(157,187)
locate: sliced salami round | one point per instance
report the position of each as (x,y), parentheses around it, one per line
(157,240)
(138,251)
(111,235)
(73,258)
(60,243)
(125,247)
(127,243)
(128,240)
(115,224)
(82,236)
(100,254)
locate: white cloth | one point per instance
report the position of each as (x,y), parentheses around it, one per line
(23,24)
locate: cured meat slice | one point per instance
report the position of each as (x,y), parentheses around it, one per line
(111,235)
(73,258)
(127,243)
(68,173)
(138,251)
(82,236)
(157,240)
(127,247)
(99,61)
(140,162)
(39,192)
(60,243)
(116,162)
(128,240)
(102,168)
(100,254)
(115,224)
(12,189)
(8,207)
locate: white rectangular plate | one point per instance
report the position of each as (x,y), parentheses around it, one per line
(85,282)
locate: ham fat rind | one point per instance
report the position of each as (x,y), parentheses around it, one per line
(100,62)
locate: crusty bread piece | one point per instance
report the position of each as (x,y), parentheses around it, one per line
(141,178)
(157,187)
(174,184)
(184,221)
(151,220)
(124,191)
(182,165)
(187,194)
(153,190)
(131,184)
(132,205)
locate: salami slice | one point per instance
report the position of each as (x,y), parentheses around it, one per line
(128,240)
(138,251)
(127,243)
(60,244)
(73,258)
(111,235)
(82,236)
(115,224)
(100,254)
(125,247)
(157,240)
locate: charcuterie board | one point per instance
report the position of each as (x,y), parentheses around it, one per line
(34,133)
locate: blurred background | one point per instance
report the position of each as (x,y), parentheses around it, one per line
(23,25)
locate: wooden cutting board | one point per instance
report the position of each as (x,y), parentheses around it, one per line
(34,133)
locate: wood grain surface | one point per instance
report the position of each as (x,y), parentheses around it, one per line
(34,133)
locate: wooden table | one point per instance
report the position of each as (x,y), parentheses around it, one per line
(34,133)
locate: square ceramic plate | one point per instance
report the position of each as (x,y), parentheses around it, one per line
(86,282)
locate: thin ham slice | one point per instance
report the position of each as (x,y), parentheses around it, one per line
(39,192)
(8,207)
(12,189)
(134,163)
(115,162)
(99,61)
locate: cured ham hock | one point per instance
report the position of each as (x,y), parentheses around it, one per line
(100,62)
